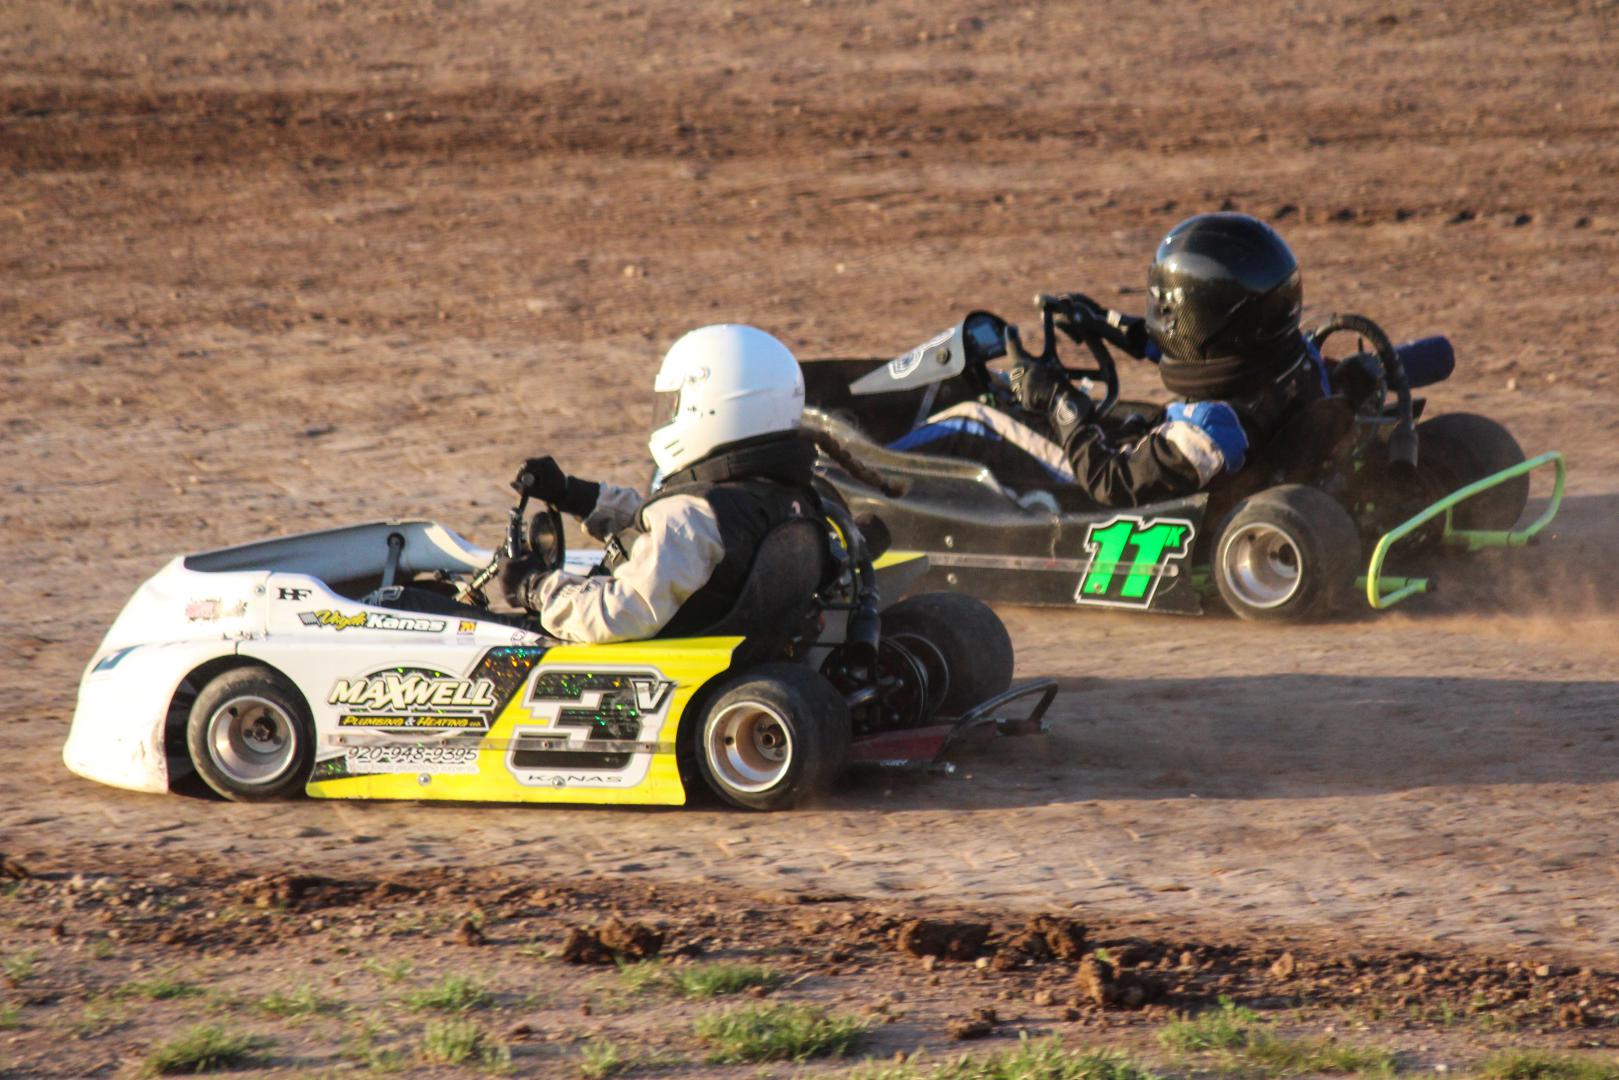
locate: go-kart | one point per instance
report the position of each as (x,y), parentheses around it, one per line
(1284,539)
(364,662)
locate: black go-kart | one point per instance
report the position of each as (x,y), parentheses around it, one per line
(1287,538)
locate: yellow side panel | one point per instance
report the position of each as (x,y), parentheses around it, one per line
(898,571)
(688,663)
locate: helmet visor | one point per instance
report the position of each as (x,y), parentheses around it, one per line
(665,404)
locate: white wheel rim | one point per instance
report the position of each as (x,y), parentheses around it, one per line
(1263,565)
(251,740)
(749,746)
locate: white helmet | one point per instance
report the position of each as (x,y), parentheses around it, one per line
(718,385)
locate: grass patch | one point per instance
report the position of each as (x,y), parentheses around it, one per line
(697,980)
(1034,1059)
(1245,1045)
(1275,1056)
(453,993)
(1542,1065)
(363,1048)
(398,971)
(10,1016)
(460,1042)
(208,1048)
(1223,1028)
(603,1058)
(19,967)
(778,1033)
(641,977)
(163,988)
(96,1020)
(712,980)
(302,1002)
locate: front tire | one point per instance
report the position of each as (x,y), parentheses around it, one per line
(772,737)
(966,645)
(251,737)
(1287,554)
(1456,449)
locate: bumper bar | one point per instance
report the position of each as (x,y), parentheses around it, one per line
(1471,539)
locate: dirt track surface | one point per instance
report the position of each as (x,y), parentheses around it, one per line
(275,267)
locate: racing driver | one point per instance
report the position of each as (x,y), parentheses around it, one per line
(732,465)
(1222,322)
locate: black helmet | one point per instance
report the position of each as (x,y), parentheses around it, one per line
(1223,306)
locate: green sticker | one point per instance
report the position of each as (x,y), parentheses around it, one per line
(1129,557)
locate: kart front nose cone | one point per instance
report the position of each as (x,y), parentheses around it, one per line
(251,740)
(750,746)
(1262,565)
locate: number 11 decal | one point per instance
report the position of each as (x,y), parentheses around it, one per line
(1113,580)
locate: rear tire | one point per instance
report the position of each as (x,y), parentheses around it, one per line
(963,632)
(250,735)
(1458,448)
(773,736)
(1288,554)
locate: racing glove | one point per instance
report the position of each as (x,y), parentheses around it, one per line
(517,575)
(1043,389)
(1132,333)
(1128,332)
(543,479)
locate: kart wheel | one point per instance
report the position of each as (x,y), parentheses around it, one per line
(250,736)
(1288,554)
(958,638)
(1458,448)
(774,735)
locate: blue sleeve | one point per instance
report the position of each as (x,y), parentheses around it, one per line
(1209,433)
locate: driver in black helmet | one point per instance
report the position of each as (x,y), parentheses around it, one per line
(1222,323)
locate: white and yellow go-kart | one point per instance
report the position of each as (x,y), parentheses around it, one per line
(257,668)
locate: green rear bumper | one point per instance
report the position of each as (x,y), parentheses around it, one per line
(1384,592)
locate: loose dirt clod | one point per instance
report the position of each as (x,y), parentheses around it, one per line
(1111,987)
(976,1026)
(312,892)
(612,941)
(1065,937)
(945,940)
(1043,939)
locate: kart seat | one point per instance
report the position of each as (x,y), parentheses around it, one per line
(779,594)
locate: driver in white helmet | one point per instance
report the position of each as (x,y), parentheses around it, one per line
(733,465)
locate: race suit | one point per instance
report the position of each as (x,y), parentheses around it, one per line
(1190,445)
(677,562)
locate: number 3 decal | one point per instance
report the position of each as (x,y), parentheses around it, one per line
(1156,543)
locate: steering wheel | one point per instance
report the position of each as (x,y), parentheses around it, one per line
(1402,444)
(544,537)
(1078,326)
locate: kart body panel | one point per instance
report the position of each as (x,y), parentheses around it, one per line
(982,539)
(404,705)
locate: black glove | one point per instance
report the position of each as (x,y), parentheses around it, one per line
(543,479)
(1043,389)
(1078,309)
(1033,378)
(513,574)
(1084,315)
(1132,333)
